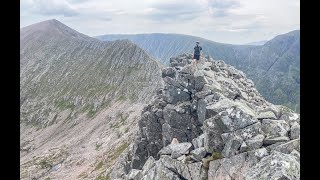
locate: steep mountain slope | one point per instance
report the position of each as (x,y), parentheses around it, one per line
(274,66)
(65,69)
(80,98)
(278,69)
(209,122)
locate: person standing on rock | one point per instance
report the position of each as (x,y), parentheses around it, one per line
(197,52)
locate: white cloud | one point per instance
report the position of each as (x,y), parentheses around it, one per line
(229,21)
(51,7)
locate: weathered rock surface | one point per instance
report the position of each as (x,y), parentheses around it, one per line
(177,149)
(276,166)
(222,128)
(198,153)
(275,128)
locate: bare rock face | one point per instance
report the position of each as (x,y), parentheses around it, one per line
(276,166)
(225,128)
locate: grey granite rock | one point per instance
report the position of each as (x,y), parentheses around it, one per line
(275,166)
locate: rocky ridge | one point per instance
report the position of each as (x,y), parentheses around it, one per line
(80,100)
(209,122)
(62,69)
(274,67)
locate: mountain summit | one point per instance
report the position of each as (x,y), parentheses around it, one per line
(51,28)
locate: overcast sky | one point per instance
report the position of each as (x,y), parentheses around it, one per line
(227,21)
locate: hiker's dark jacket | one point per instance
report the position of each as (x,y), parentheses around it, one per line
(197,50)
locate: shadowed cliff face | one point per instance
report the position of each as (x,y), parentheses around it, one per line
(274,67)
(80,99)
(210,122)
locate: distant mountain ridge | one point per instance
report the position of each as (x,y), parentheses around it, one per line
(270,66)
(257,43)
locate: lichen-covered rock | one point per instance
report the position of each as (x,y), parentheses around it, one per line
(272,140)
(134,175)
(232,146)
(233,119)
(296,154)
(199,153)
(255,142)
(266,115)
(275,128)
(260,153)
(230,168)
(226,103)
(275,166)
(148,165)
(212,136)
(295,131)
(250,131)
(287,147)
(198,142)
(192,171)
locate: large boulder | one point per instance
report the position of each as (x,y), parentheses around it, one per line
(233,119)
(179,123)
(169,71)
(226,103)
(275,128)
(232,146)
(140,154)
(174,94)
(176,149)
(287,147)
(134,175)
(268,114)
(192,171)
(231,168)
(212,136)
(272,140)
(276,166)
(201,110)
(255,142)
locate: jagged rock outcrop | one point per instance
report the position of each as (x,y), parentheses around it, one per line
(225,128)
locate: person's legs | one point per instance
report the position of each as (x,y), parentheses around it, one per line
(197,58)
